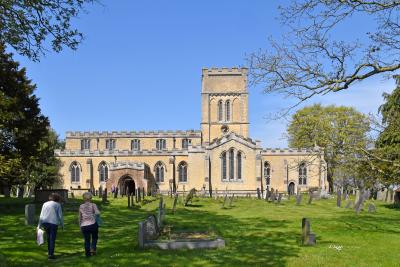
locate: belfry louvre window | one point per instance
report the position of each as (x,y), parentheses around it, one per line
(227,110)
(303,174)
(182,171)
(220,111)
(135,144)
(110,144)
(159,170)
(85,144)
(160,144)
(223,166)
(186,142)
(103,172)
(267,173)
(75,172)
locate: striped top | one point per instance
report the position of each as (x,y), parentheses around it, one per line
(87,214)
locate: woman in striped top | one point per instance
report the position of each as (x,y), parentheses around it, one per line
(87,222)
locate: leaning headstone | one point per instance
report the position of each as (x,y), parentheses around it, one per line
(339,198)
(190,196)
(258,193)
(307,237)
(175,202)
(298,198)
(360,202)
(225,198)
(371,208)
(30,214)
(349,204)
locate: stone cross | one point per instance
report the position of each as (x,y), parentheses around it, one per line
(30,214)
(307,237)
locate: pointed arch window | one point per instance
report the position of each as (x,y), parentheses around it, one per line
(302,174)
(182,172)
(239,165)
(227,110)
(223,166)
(159,170)
(267,173)
(75,172)
(103,172)
(220,111)
(231,164)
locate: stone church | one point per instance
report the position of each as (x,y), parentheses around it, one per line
(220,156)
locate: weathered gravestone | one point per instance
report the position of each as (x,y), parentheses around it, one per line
(104,197)
(339,198)
(371,208)
(190,196)
(359,204)
(225,199)
(258,193)
(310,197)
(30,214)
(175,202)
(349,204)
(298,198)
(307,237)
(279,198)
(138,195)
(116,193)
(100,192)
(161,213)
(273,196)
(148,230)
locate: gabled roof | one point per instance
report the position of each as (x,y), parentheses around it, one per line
(233,137)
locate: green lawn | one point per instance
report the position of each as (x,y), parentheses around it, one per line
(256,234)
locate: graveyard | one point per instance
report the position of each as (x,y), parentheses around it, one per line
(255,232)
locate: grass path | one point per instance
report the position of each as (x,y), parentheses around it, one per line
(256,234)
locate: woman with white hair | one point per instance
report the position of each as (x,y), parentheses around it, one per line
(87,221)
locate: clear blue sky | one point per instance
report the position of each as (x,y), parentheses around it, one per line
(139,67)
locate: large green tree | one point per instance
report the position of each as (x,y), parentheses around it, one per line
(25,137)
(340,131)
(29,24)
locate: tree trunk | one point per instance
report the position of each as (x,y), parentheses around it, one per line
(329,176)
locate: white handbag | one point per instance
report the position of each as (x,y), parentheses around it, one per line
(39,236)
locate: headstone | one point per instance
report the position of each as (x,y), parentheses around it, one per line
(216,193)
(175,202)
(231,200)
(273,196)
(349,204)
(258,193)
(104,197)
(310,197)
(357,196)
(308,238)
(151,229)
(29,214)
(160,215)
(339,198)
(279,198)
(371,208)
(360,202)
(190,196)
(225,198)
(100,192)
(116,193)
(143,193)
(138,193)
(298,198)
(129,200)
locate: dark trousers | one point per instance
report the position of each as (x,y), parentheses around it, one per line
(51,233)
(90,232)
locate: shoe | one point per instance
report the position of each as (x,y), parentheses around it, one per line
(93,252)
(51,257)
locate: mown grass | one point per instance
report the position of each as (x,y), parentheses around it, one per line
(257,233)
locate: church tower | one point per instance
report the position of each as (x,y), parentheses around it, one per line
(224,99)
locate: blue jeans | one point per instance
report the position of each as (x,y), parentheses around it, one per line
(90,232)
(51,232)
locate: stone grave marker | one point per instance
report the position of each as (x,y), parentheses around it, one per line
(29,214)
(100,192)
(116,192)
(349,204)
(273,196)
(104,196)
(310,197)
(225,198)
(175,202)
(190,196)
(307,237)
(151,228)
(298,198)
(258,193)
(231,200)
(339,198)
(279,198)
(371,208)
(138,195)
(129,199)
(267,194)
